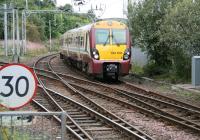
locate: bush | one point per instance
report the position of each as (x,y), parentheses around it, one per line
(152,69)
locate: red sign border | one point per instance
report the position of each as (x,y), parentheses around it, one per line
(34,77)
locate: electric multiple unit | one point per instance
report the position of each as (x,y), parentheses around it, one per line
(100,49)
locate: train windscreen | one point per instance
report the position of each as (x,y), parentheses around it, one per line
(118,36)
(102,36)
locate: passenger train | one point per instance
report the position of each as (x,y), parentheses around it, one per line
(101,49)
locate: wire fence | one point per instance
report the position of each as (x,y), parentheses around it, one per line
(32,126)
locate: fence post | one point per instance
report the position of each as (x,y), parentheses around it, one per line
(5,30)
(63,125)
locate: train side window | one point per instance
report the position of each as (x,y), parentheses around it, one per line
(81,41)
(86,41)
(77,41)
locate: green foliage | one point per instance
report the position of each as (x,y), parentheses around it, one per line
(137,69)
(153,68)
(38,25)
(169,32)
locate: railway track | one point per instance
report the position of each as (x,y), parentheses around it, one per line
(171,110)
(118,127)
(46,103)
(128,101)
(126,95)
(43,104)
(3,63)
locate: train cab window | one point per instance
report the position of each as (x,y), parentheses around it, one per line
(102,36)
(118,36)
(81,41)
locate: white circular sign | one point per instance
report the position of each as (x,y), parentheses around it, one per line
(17,85)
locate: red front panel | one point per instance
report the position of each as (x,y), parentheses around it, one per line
(96,66)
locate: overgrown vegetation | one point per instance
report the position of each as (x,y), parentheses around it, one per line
(38,24)
(170,33)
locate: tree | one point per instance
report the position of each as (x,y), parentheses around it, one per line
(145,20)
(180,32)
(169,32)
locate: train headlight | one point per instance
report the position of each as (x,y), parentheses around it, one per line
(95,54)
(127,54)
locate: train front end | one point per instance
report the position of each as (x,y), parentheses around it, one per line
(110,49)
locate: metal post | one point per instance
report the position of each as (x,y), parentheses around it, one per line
(12,129)
(23,32)
(13,32)
(5,30)
(50,35)
(24,22)
(26,4)
(63,125)
(25,43)
(18,43)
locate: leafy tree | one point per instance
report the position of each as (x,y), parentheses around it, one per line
(180,32)
(38,24)
(66,7)
(169,32)
(145,20)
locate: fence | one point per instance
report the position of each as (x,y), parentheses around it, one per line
(32,126)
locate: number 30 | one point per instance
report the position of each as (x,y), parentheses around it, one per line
(9,79)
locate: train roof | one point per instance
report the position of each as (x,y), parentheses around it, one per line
(99,24)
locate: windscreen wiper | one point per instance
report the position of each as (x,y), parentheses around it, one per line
(115,40)
(106,40)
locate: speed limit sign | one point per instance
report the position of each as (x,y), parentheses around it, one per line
(17,85)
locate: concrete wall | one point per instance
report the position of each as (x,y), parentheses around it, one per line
(139,57)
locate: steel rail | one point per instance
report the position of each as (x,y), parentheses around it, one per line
(85,135)
(159,96)
(128,135)
(176,119)
(101,117)
(147,108)
(36,103)
(142,97)
(3,63)
(104,111)
(131,131)
(171,102)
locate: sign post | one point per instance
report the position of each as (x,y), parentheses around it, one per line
(17,85)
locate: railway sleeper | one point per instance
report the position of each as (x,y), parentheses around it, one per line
(85,121)
(82,118)
(99,129)
(78,115)
(91,124)
(71,113)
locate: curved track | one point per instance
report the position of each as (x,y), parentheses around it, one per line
(149,102)
(112,126)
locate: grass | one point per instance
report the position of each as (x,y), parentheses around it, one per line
(190,95)
(136,69)
(179,92)
(164,88)
(31,53)
(5,134)
(28,56)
